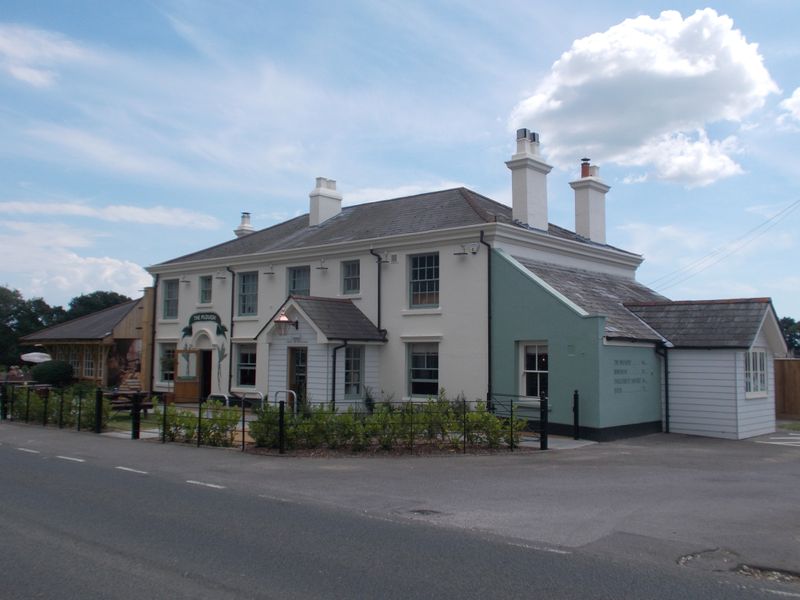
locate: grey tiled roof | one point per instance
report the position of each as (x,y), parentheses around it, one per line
(601,294)
(457,207)
(705,323)
(339,319)
(95,326)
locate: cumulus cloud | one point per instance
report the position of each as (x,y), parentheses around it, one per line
(32,55)
(49,266)
(116,213)
(791,108)
(643,92)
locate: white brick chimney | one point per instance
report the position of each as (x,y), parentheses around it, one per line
(529,181)
(244,227)
(325,203)
(590,203)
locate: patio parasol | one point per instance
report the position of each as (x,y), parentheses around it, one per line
(36,357)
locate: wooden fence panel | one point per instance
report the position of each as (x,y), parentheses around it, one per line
(787,387)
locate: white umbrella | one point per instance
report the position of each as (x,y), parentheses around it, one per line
(36,357)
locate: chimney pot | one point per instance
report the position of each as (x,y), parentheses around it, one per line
(584,167)
(244,227)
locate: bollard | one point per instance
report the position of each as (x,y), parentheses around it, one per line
(46,406)
(543,417)
(136,416)
(281,427)
(98,410)
(576,415)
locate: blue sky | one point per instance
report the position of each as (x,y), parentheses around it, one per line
(134,132)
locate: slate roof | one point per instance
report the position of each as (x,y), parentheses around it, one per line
(95,326)
(457,207)
(339,319)
(601,294)
(705,323)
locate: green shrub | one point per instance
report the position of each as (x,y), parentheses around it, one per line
(53,372)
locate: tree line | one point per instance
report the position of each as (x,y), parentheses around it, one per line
(20,317)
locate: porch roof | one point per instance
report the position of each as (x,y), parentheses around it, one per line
(338,319)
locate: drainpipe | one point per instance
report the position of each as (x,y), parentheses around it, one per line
(153,334)
(230,354)
(488,320)
(663,353)
(333,384)
(378,261)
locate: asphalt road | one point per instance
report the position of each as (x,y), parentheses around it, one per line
(83,516)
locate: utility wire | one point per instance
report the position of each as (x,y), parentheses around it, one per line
(694,268)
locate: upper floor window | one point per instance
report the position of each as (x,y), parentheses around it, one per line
(299,281)
(353,371)
(205,289)
(248,293)
(755,372)
(424,280)
(535,370)
(351,277)
(170,307)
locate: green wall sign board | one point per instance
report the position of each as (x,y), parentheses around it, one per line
(204,317)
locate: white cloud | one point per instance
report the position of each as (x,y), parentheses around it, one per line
(643,92)
(44,262)
(651,240)
(117,213)
(31,55)
(791,107)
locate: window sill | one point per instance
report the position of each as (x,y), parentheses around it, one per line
(350,296)
(204,305)
(168,320)
(245,318)
(755,395)
(410,312)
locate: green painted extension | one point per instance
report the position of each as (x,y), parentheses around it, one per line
(618,385)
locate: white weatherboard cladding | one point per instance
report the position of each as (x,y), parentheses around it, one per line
(318,367)
(756,415)
(703,391)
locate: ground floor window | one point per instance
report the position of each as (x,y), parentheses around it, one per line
(423,369)
(353,371)
(88,363)
(534,370)
(167,361)
(755,372)
(74,361)
(246,365)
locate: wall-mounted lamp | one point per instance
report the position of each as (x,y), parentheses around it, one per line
(282,323)
(465,249)
(219,275)
(185,279)
(322,266)
(270,271)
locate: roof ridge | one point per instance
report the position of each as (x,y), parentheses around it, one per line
(323,298)
(466,194)
(761,300)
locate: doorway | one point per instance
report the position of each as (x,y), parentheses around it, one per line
(205,374)
(298,373)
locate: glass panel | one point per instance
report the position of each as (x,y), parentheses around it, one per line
(424,280)
(531,384)
(530,358)
(541,364)
(205,289)
(542,384)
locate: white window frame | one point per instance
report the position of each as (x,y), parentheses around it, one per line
(169,306)
(755,373)
(206,289)
(251,351)
(426,350)
(354,371)
(540,348)
(88,363)
(163,349)
(247,301)
(419,275)
(74,361)
(351,283)
(291,280)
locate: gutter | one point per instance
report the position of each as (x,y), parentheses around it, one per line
(488,320)
(153,334)
(230,354)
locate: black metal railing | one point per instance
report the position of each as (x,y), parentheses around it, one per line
(72,408)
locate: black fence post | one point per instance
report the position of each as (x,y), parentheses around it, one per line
(200,422)
(80,407)
(489,406)
(281,427)
(136,416)
(576,415)
(46,406)
(98,410)
(27,402)
(61,408)
(543,421)
(511,426)
(243,425)
(464,415)
(164,420)
(3,409)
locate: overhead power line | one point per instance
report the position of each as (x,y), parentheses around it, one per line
(714,257)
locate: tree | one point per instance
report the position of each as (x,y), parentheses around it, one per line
(19,317)
(86,304)
(791,333)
